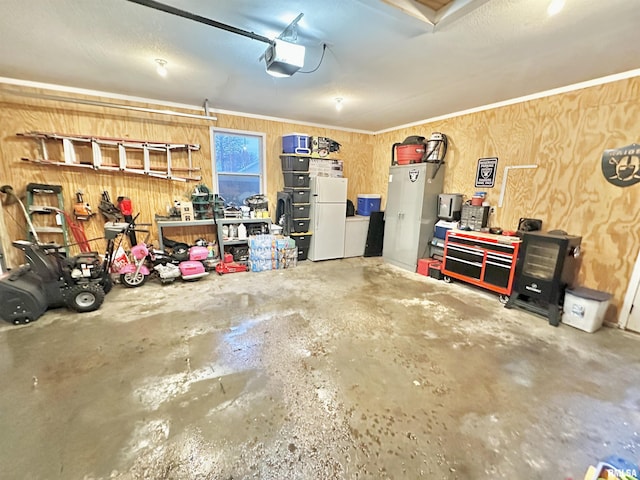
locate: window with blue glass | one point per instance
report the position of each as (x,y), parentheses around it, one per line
(238,159)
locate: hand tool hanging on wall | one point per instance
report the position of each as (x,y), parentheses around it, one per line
(126,208)
(108,209)
(81,209)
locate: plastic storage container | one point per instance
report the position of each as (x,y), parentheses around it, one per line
(423,266)
(435,270)
(295,179)
(442,227)
(296,143)
(198,253)
(302,240)
(290,163)
(585,308)
(242,232)
(190,270)
(367,203)
(301,210)
(302,253)
(474,217)
(300,225)
(299,195)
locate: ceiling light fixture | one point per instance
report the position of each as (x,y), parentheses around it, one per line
(339,103)
(161,68)
(555,7)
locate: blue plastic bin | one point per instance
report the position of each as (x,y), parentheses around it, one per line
(367,203)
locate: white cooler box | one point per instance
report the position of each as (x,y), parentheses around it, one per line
(585,308)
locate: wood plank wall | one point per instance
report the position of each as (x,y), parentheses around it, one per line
(150,196)
(564,135)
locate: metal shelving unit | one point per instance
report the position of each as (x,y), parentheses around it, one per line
(179,223)
(222,242)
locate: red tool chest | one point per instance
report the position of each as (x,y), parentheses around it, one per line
(482,259)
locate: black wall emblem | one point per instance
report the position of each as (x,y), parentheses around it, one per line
(621,166)
(413,175)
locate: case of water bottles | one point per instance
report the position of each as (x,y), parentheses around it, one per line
(261,256)
(271,252)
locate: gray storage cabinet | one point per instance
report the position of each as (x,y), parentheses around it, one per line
(411,212)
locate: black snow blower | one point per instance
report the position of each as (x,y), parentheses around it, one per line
(50,279)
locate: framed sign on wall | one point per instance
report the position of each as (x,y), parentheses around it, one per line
(486,172)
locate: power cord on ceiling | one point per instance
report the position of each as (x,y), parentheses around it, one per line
(324,47)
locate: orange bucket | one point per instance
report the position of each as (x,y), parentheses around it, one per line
(407,154)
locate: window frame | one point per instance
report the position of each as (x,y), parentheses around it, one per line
(263,152)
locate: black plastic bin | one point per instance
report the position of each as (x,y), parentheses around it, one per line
(302,240)
(300,225)
(292,163)
(301,210)
(299,195)
(295,179)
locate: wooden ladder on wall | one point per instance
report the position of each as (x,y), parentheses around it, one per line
(162,167)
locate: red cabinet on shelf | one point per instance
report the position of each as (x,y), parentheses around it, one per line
(482,259)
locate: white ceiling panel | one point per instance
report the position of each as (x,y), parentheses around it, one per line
(390,67)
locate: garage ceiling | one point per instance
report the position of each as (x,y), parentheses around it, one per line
(393,62)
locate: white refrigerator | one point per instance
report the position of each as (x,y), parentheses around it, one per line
(328,218)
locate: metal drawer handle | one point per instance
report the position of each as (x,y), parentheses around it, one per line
(500,244)
(500,259)
(475,264)
(506,256)
(466,250)
(508,267)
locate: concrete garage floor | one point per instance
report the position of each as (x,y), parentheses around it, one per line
(340,369)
